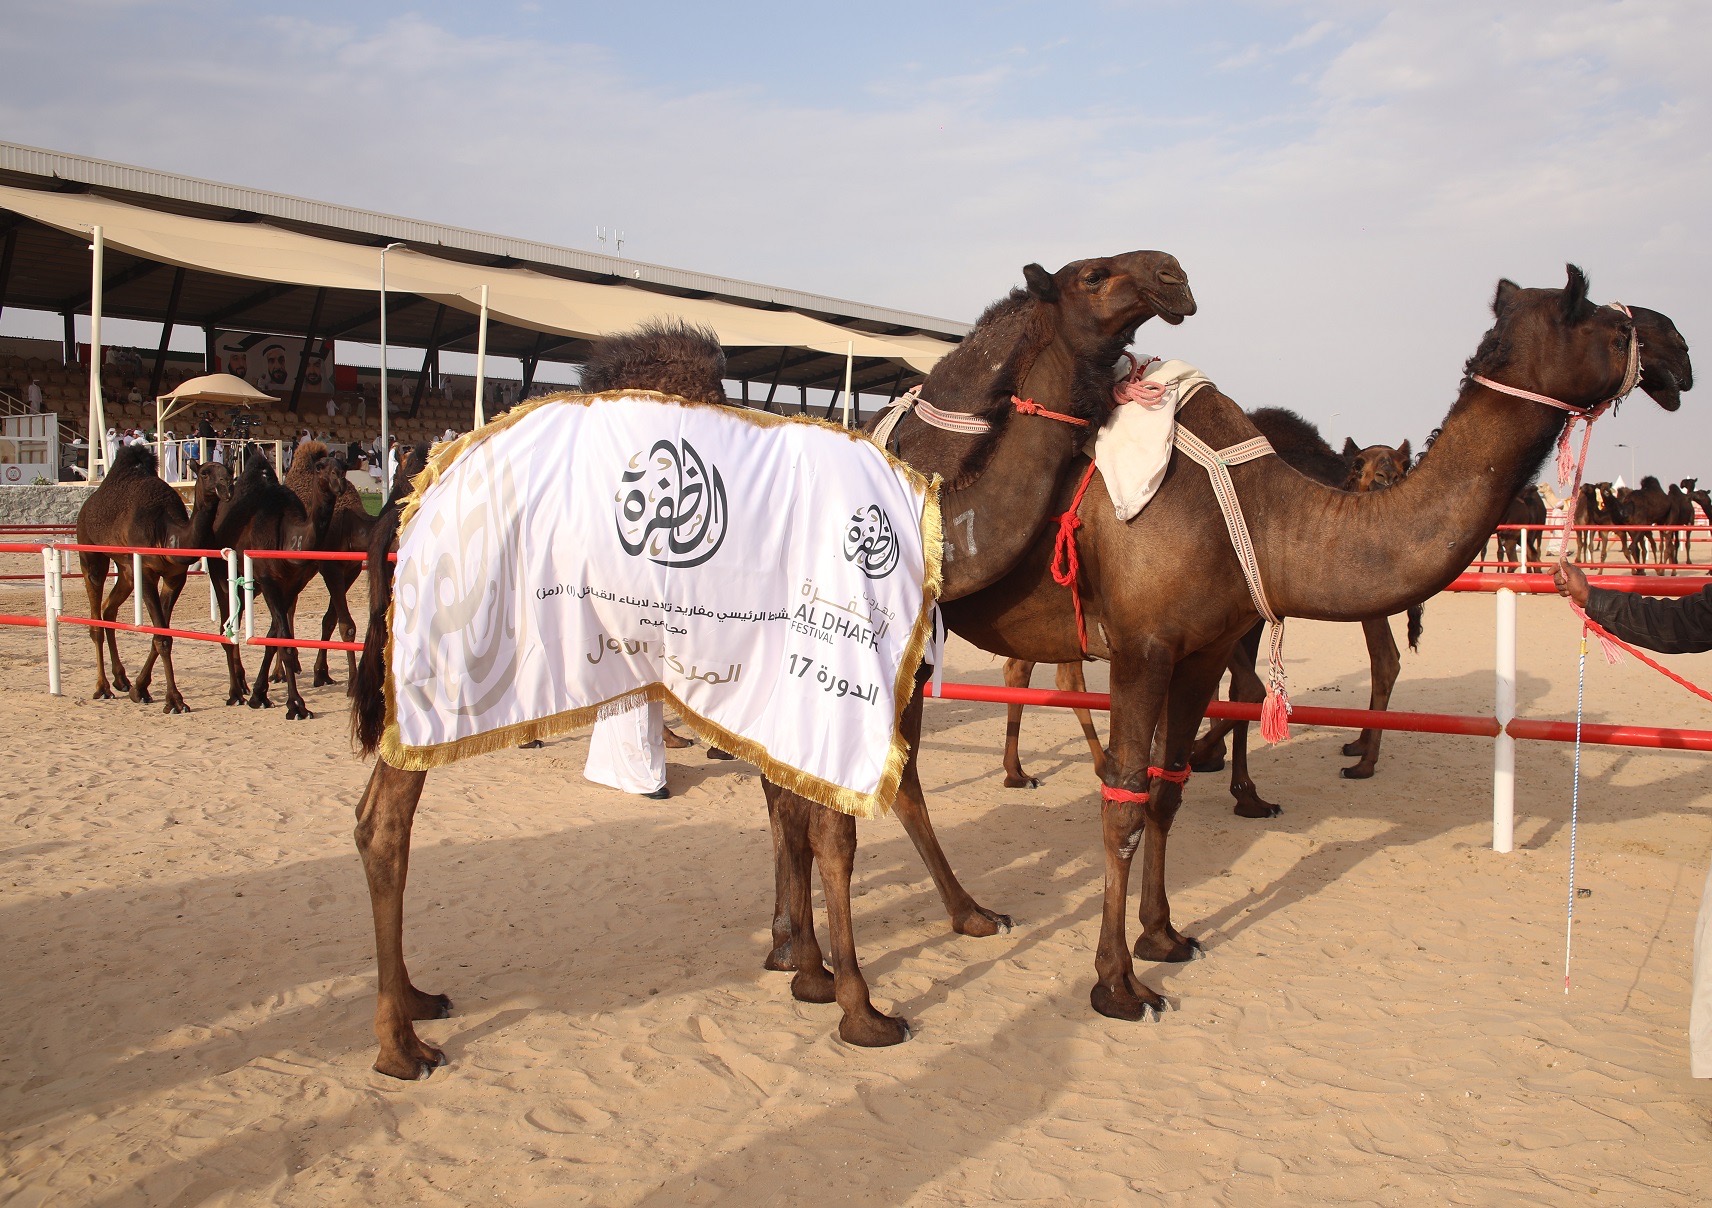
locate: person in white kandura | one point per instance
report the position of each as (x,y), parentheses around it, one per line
(625,751)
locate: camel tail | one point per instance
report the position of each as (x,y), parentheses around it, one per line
(368,699)
(1415,627)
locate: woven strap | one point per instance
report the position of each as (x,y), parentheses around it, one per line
(1110,794)
(946,421)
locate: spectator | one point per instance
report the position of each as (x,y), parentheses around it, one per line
(1682,626)
(332,407)
(362,406)
(135,397)
(35,396)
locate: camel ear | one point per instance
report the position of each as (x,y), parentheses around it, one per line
(1349,447)
(1507,289)
(1403,452)
(1574,292)
(1040,283)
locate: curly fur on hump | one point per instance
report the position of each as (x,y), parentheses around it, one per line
(668,355)
(133,459)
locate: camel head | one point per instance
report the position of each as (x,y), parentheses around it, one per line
(1573,350)
(213,483)
(1114,295)
(1376,467)
(1665,368)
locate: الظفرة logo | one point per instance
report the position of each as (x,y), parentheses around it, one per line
(870,543)
(671,506)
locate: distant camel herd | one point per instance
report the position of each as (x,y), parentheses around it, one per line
(1357,535)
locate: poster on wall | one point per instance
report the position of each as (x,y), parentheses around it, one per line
(269,363)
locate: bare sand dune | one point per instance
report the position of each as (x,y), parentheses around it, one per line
(1381,1017)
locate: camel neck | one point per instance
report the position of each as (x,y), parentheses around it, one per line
(992,519)
(1393,548)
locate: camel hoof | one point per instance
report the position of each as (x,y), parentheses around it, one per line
(873,1031)
(237,698)
(297,711)
(1359,771)
(981,922)
(716,753)
(1122,1004)
(1256,809)
(1024,782)
(815,985)
(321,680)
(176,705)
(781,959)
(412,1068)
(1176,952)
(534,744)
(140,695)
(121,684)
(1211,763)
(673,740)
(102,694)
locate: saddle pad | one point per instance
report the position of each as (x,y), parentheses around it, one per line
(1134,447)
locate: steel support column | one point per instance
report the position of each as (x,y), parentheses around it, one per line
(308,346)
(166,333)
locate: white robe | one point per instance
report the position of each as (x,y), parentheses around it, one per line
(627,752)
(169,460)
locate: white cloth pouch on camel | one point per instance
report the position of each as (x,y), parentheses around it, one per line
(771,577)
(1134,447)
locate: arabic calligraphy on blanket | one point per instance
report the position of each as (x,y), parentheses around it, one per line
(771,578)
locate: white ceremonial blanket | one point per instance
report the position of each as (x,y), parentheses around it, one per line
(773,578)
(1134,447)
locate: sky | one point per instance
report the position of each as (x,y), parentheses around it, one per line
(1344,182)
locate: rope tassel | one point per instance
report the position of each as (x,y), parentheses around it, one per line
(1275,712)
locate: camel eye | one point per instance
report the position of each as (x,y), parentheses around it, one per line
(1095,277)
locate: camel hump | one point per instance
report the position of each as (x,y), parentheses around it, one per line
(133,459)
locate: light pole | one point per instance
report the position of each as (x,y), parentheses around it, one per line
(1631,448)
(385,398)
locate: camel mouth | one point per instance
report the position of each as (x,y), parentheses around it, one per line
(1179,307)
(1667,397)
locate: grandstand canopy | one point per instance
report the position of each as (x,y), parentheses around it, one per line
(200,254)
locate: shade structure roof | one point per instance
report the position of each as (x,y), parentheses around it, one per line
(224,389)
(249,260)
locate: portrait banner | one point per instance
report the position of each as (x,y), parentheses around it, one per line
(772,578)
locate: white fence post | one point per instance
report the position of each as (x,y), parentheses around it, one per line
(213,596)
(249,598)
(137,588)
(51,604)
(1504,749)
(232,601)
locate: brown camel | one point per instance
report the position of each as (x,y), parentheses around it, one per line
(346,531)
(264,515)
(1168,646)
(1646,505)
(1299,444)
(1681,512)
(133,506)
(1696,498)
(1527,508)
(1597,504)
(1053,344)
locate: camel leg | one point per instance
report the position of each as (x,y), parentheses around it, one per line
(1245,686)
(1193,684)
(1209,753)
(236,683)
(1138,693)
(795,945)
(832,835)
(384,817)
(279,669)
(329,619)
(94,585)
(1070,679)
(109,611)
(1017,674)
(1383,657)
(968,917)
(160,597)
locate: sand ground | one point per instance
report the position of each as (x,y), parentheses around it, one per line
(1380,1019)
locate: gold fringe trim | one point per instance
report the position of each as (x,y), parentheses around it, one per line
(804,784)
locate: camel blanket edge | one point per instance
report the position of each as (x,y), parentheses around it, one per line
(772,578)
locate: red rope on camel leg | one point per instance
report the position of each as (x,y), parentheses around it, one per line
(1166,774)
(1066,566)
(1111,794)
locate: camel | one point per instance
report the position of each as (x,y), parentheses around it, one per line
(264,515)
(1298,443)
(133,506)
(346,531)
(1597,504)
(1321,553)
(1527,508)
(1051,345)
(1646,505)
(1697,497)
(1680,511)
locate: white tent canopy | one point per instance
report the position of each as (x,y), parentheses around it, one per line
(519,296)
(221,389)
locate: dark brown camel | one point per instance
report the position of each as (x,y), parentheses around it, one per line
(1681,512)
(1646,505)
(133,506)
(346,531)
(1054,343)
(1167,646)
(1527,508)
(1597,504)
(1299,444)
(264,515)
(1696,498)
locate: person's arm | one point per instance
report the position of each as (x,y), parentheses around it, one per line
(1679,626)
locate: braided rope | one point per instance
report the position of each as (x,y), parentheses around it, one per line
(1574,813)
(1027,406)
(1181,776)
(1110,794)
(1066,566)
